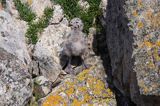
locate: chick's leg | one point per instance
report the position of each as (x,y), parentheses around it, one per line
(69,69)
(83,63)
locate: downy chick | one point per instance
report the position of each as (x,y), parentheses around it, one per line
(75,44)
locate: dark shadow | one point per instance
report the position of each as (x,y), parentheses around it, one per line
(76,61)
(115,47)
(115,26)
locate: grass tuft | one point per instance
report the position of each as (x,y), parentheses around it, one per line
(34,27)
(72,10)
(37,27)
(24,11)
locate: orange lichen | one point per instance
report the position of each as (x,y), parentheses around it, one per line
(135,13)
(148,44)
(82,94)
(53,100)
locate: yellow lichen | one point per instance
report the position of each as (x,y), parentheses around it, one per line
(70,91)
(53,100)
(140,25)
(82,89)
(148,44)
(158,43)
(87,98)
(82,94)
(82,75)
(76,103)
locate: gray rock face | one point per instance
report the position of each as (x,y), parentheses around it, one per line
(57,14)
(10,8)
(38,6)
(12,36)
(15,81)
(48,48)
(122,45)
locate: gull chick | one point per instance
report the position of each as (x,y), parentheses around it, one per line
(76,44)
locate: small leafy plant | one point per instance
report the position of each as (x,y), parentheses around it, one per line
(34,27)
(72,10)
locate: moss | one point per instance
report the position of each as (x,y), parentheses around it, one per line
(72,9)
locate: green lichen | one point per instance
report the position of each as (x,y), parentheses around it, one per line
(72,10)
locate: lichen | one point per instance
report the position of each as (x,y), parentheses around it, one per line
(144,22)
(82,90)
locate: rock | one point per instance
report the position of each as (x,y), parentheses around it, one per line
(57,14)
(83,4)
(12,37)
(38,6)
(42,87)
(132,34)
(84,89)
(15,80)
(47,50)
(11,9)
(1,7)
(103,6)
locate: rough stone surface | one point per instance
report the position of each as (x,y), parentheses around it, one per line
(12,36)
(57,14)
(132,32)
(48,48)
(38,6)
(83,4)
(10,8)
(87,88)
(15,80)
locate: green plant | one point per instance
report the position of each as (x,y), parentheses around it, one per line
(24,11)
(37,27)
(33,27)
(72,10)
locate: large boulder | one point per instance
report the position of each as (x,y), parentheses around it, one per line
(15,80)
(132,32)
(12,36)
(48,48)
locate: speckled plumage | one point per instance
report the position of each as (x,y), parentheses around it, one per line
(76,44)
